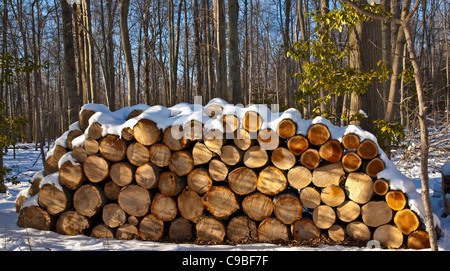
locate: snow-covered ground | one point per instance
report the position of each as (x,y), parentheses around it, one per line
(28,162)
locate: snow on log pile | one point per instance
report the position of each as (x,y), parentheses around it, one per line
(220,173)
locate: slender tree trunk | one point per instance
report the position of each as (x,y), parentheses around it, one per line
(221,62)
(424,145)
(197,51)
(234,66)
(74,102)
(126,47)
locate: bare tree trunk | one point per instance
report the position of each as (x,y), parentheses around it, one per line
(221,62)
(197,60)
(126,47)
(233,57)
(424,145)
(73,98)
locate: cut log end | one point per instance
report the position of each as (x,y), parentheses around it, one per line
(367,149)
(297,144)
(286,128)
(318,134)
(252,121)
(146,132)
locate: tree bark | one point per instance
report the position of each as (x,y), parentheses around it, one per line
(126,47)
(234,69)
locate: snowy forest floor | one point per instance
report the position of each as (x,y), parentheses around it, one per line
(28,162)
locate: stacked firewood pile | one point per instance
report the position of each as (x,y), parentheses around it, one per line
(246,182)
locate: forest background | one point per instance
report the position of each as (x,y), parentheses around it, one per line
(320,56)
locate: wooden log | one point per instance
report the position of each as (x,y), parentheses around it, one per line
(220,201)
(59,151)
(50,165)
(286,128)
(127,232)
(298,144)
(147,176)
(199,181)
(193,130)
(331,151)
(35,217)
(351,162)
(357,230)
(146,132)
(241,229)
(91,146)
(243,140)
(113,215)
(252,121)
(418,240)
(95,130)
(181,230)
(54,200)
(406,221)
(242,180)
(190,205)
(181,163)
(88,200)
(134,200)
(348,211)
(359,187)
(169,184)
(324,216)
(310,197)
(350,141)
(134,113)
(271,181)
(95,168)
(231,155)
(230,123)
(337,233)
(112,148)
(396,200)
(164,208)
(282,158)
(210,230)
(83,118)
(367,149)
(332,196)
(19,201)
(127,133)
(159,154)
(380,187)
(305,229)
(376,213)
(111,190)
(35,183)
(201,154)
(257,206)
(299,177)
(374,166)
(71,136)
(134,220)
(328,175)
(268,139)
(310,158)
(287,207)
(255,157)
(79,154)
(318,134)
(102,231)
(137,154)
(151,228)
(122,173)
(213,110)
(388,236)
(72,223)
(174,138)
(218,170)
(71,176)
(214,140)
(273,230)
